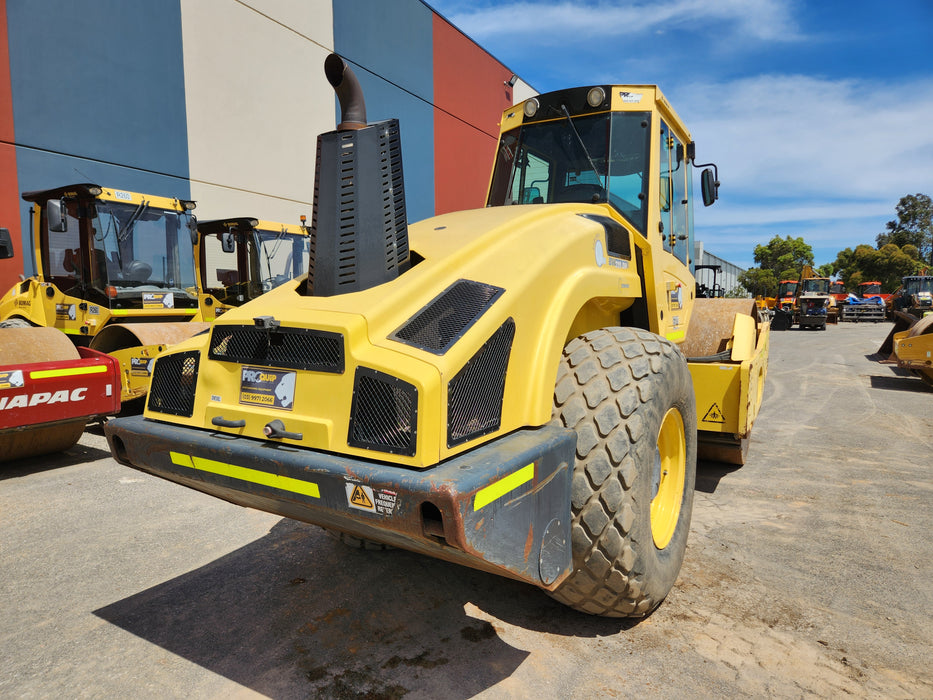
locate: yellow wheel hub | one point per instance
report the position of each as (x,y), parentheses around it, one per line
(670,474)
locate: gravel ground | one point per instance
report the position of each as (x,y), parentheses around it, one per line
(807,574)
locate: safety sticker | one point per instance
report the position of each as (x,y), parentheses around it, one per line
(11,379)
(158,300)
(65,312)
(267,387)
(363,497)
(714,415)
(630,97)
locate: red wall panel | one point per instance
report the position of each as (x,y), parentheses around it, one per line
(470,93)
(9,189)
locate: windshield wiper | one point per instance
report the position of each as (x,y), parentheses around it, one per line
(599,178)
(128,226)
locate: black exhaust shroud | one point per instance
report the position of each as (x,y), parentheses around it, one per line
(359,229)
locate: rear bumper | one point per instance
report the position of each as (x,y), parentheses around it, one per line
(503,507)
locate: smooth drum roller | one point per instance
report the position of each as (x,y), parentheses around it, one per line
(23,346)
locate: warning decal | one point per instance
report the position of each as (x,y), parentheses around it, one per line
(363,497)
(714,415)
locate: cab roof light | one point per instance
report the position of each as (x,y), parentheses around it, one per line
(530,107)
(595,97)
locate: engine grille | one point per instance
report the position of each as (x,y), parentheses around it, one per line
(441,323)
(174,383)
(384,415)
(288,348)
(475,394)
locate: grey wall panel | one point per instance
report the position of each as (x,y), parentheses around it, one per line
(256,99)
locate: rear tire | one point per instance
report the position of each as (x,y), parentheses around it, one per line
(628,394)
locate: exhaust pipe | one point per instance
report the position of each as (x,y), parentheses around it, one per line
(359,229)
(349,93)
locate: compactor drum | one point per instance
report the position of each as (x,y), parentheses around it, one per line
(522,388)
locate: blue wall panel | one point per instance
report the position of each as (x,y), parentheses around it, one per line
(102,79)
(390,47)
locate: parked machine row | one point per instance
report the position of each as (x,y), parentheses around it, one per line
(127,275)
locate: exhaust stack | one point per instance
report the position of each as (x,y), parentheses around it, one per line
(359,229)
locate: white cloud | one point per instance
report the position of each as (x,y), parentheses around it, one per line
(570,22)
(833,149)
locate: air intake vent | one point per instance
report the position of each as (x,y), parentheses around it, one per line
(475,394)
(288,348)
(442,322)
(384,413)
(174,383)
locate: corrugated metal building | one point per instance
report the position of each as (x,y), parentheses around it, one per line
(221,101)
(728,278)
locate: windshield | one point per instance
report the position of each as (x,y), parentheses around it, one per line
(871,288)
(594,158)
(262,260)
(816,286)
(787,289)
(278,256)
(140,247)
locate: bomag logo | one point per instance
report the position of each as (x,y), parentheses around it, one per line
(254,377)
(42,397)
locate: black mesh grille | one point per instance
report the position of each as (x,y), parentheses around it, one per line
(173,385)
(289,348)
(384,413)
(475,394)
(439,324)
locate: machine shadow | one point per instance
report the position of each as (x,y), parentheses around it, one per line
(78,454)
(297,613)
(709,474)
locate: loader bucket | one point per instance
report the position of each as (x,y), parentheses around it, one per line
(902,321)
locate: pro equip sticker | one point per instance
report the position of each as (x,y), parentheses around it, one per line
(267,387)
(11,379)
(65,312)
(141,366)
(158,300)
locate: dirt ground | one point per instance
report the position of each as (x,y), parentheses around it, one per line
(808,574)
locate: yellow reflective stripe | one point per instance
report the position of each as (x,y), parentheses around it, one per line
(490,493)
(70,372)
(284,483)
(674,335)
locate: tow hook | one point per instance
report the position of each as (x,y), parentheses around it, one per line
(276,430)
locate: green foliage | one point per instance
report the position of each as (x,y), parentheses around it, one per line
(784,257)
(886,265)
(759,282)
(914,226)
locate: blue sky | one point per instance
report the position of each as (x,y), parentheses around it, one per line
(819,114)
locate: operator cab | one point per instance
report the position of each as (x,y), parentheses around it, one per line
(595,145)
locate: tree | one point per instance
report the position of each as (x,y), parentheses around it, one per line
(914,226)
(785,257)
(759,282)
(886,265)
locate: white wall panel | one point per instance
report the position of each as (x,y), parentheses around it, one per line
(256,99)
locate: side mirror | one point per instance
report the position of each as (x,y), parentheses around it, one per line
(710,186)
(193,229)
(55,212)
(227,242)
(6,244)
